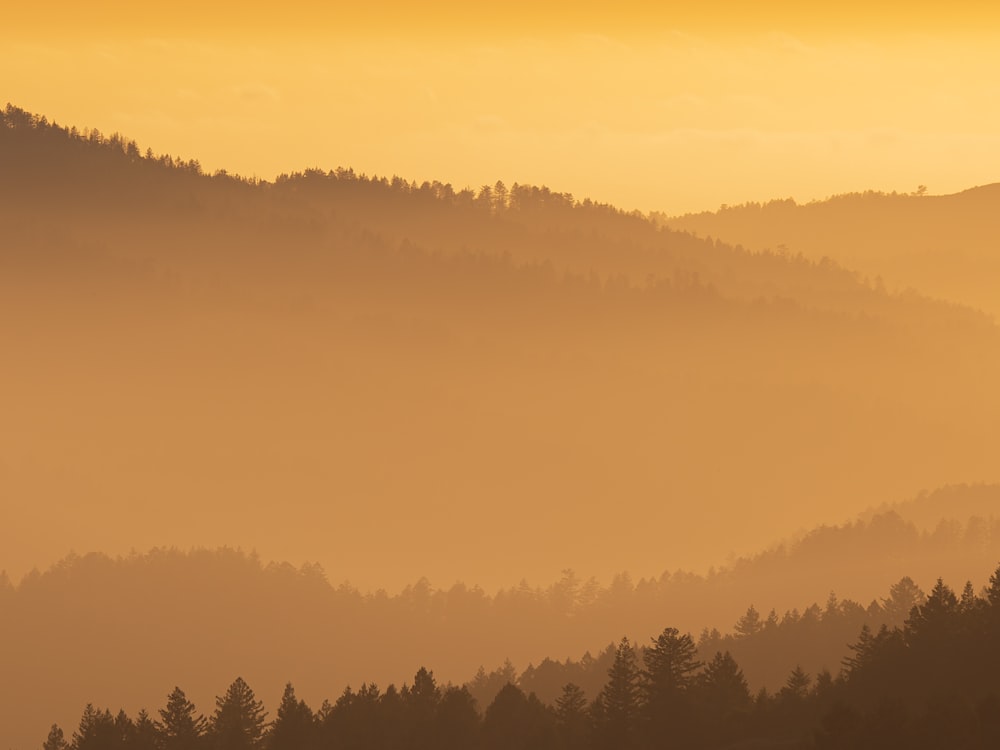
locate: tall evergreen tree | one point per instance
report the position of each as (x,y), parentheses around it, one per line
(124,731)
(670,665)
(749,624)
(514,720)
(294,726)
(797,686)
(619,701)
(144,735)
(723,700)
(238,722)
(993,589)
(863,651)
(969,603)
(56,739)
(723,687)
(421,702)
(180,726)
(934,620)
(572,717)
(96,730)
(457,721)
(425,693)
(903,597)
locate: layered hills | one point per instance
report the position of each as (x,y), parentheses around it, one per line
(940,244)
(400,379)
(116,630)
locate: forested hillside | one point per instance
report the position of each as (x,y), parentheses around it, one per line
(927,681)
(310,352)
(941,245)
(131,624)
(398,381)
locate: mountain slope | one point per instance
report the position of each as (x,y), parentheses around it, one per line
(133,624)
(398,380)
(942,245)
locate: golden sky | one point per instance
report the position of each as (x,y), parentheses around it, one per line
(673,109)
(459,17)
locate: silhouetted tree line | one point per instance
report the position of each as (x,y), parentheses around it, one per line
(352,252)
(64,170)
(47,169)
(459,627)
(900,239)
(765,646)
(50,142)
(929,683)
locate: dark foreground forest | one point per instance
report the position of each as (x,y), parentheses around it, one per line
(125,624)
(931,683)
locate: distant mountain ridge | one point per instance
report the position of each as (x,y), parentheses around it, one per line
(400,380)
(939,244)
(530,224)
(953,503)
(349,343)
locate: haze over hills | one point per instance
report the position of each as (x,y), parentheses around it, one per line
(399,380)
(340,361)
(943,245)
(115,631)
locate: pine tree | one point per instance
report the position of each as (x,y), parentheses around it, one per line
(571,705)
(723,687)
(993,589)
(421,702)
(669,664)
(294,724)
(457,721)
(619,709)
(238,722)
(144,734)
(797,686)
(424,695)
(934,620)
(749,624)
(862,651)
(903,597)
(516,720)
(124,730)
(572,717)
(180,727)
(96,730)
(723,701)
(56,739)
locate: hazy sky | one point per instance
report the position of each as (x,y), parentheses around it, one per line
(674,109)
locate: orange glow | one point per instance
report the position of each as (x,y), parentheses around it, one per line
(443,18)
(671,115)
(414,340)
